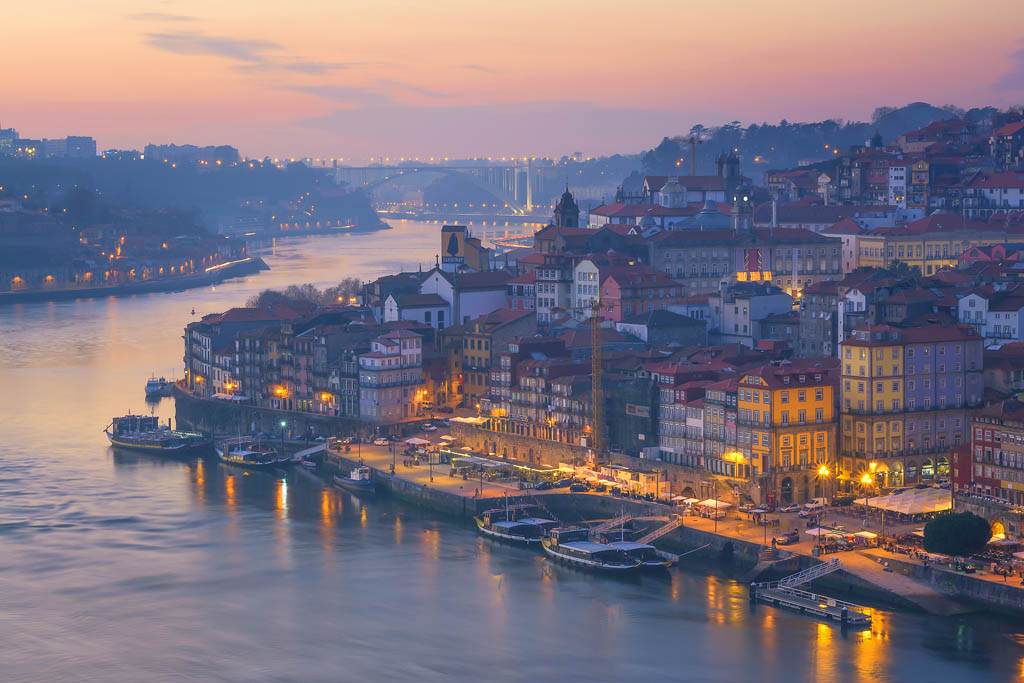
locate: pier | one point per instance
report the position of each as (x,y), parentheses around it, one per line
(784,593)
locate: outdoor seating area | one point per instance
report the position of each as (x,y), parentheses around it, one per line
(912,504)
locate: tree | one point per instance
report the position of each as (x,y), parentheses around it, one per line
(903,269)
(344,290)
(960,533)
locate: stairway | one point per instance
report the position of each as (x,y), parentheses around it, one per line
(811,573)
(612,523)
(676,522)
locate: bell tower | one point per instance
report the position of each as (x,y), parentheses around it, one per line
(567,212)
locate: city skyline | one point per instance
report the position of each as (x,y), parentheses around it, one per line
(399,80)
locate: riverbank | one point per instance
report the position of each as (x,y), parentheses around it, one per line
(864,575)
(214,275)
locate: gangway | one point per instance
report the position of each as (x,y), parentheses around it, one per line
(612,523)
(310,451)
(811,573)
(674,524)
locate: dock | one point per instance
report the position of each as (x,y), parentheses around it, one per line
(784,593)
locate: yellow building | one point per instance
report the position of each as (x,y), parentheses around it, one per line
(929,243)
(872,420)
(787,415)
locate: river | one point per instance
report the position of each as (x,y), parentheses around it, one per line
(118,567)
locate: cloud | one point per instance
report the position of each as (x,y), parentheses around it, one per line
(197,43)
(1013,79)
(478,67)
(254,55)
(159,16)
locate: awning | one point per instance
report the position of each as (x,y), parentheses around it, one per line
(865,534)
(677,498)
(716,504)
(415,441)
(447,437)
(689,501)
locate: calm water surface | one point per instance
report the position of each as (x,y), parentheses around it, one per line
(119,567)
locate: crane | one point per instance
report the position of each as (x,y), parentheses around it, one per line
(596,393)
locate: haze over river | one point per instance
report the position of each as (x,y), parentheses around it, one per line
(123,567)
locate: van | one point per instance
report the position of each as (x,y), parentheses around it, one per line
(811,508)
(820,501)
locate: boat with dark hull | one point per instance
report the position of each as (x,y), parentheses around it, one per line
(143,433)
(511,524)
(359,480)
(573,546)
(251,454)
(647,555)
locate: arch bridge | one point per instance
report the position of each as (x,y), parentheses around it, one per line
(512,185)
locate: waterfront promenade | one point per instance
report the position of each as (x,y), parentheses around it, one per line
(868,565)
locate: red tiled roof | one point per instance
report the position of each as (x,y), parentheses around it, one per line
(1006,179)
(524,279)
(1010,129)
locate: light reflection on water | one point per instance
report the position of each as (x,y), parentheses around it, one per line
(124,567)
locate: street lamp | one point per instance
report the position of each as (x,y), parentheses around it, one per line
(823,473)
(284,423)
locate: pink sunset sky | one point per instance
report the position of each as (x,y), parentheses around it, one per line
(460,77)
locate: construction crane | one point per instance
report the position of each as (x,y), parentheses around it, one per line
(596,392)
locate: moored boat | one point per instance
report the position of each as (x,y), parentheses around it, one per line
(155,388)
(251,454)
(359,480)
(572,546)
(510,523)
(647,555)
(144,433)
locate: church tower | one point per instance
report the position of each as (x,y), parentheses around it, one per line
(742,210)
(567,212)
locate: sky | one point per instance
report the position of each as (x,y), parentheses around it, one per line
(353,80)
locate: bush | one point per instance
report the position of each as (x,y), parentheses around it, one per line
(961,533)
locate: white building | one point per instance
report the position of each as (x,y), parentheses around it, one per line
(430,309)
(997,315)
(391,378)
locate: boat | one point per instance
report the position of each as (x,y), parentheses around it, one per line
(509,524)
(359,480)
(156,388)
(572,546)
(252,454)
(647,555)
(144,433)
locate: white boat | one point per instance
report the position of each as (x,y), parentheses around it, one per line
(572,546)
(359,480)
(158,387)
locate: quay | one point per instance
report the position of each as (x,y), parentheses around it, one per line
(211,276)
(784,593)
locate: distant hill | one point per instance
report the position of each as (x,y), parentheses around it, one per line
(911,117)
(785,145)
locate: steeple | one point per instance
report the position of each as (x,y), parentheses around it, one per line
(567,212)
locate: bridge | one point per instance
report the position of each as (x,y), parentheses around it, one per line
(514,185)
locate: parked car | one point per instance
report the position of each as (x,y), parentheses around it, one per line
(788,538)
(446,422)
(600,488)
(544,486)
(429,427)
(580,487)
(381,442)
(843,501)
(562,483)
(792,507)
(746,507)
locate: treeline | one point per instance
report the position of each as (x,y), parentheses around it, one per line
(785,144)
(307,294)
